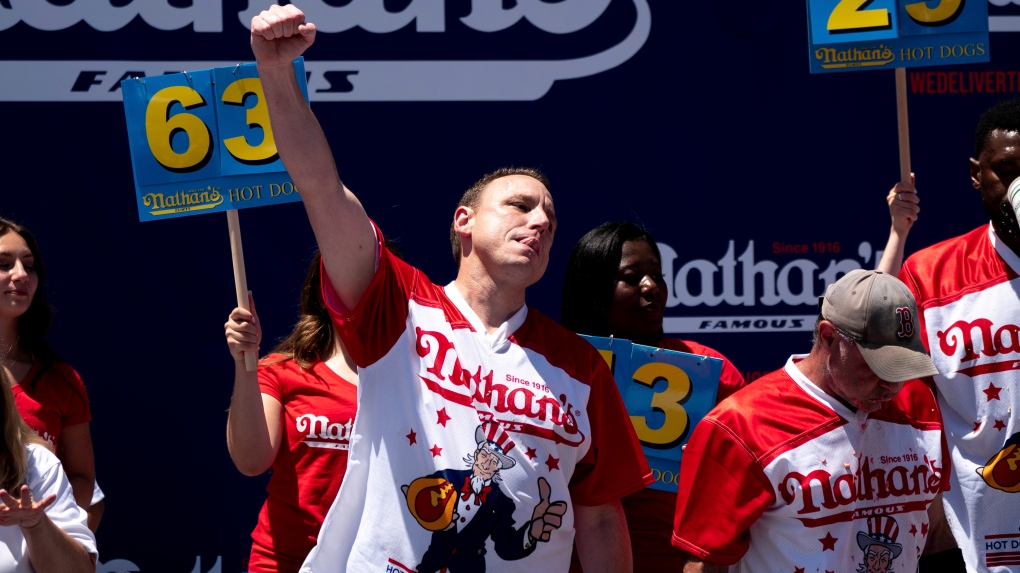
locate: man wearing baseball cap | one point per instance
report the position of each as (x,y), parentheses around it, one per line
(785,474)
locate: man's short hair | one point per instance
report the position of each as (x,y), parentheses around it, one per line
(471,196)
(1004,115)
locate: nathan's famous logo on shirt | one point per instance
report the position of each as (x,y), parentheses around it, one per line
(324,433)
(445,375)
(980,338)
(820,490)
(415,50)
(746,290)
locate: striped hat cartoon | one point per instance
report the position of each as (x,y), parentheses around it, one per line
(882,530)
(492,436)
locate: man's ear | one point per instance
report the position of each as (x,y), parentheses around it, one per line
(975,173)
(827,333)
(463,219)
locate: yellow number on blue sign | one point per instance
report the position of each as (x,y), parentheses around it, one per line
(848,16)
(945,12)
(161,127)
(678,388)
(257,116)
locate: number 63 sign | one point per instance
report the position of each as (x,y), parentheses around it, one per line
(666,393)
(847,35)
(201,142)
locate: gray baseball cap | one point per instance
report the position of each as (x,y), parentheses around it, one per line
(879,313)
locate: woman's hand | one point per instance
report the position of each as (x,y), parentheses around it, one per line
(244,333)
(23,512)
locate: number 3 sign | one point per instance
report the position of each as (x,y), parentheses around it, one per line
(201,142)
(848,35)
(666,393)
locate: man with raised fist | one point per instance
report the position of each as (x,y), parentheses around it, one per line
(435,360)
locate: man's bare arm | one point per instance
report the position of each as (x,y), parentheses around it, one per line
(278,35)
(602,539)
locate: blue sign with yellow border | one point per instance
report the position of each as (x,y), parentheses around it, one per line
(849,35)
(666,393)
(201,142)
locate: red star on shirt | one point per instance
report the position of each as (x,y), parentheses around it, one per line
(798,570)
(436,450)
(992,392)
(828,542)
(443,417)
(1000,425)
(924,528)
(531,453)
(412,438)
(553,463)
(977,425)
(913,529)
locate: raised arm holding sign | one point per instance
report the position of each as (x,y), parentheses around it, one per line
(853,35)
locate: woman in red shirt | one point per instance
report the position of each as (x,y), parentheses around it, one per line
(48,392)
(293,415)
(614,287)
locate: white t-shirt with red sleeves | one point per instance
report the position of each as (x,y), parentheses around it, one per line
(430,375)
(968,294)
(783,477)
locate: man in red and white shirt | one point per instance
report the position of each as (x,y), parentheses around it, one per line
(438,364)
(966,289)
(832,462)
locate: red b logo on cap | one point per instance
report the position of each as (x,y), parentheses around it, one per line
(906,319)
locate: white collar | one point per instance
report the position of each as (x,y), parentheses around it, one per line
(1007,254)
(818,394)
(498,340)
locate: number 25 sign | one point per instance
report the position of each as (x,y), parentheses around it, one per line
(201,142)
(848,35)
(666,393)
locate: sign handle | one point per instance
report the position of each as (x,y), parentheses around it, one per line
(240,279)
(902,125)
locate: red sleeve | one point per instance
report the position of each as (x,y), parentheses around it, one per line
(722,492)
(76,409)
(371,328)
(908,278)
(918,397)
(269,380)
(730,380)
(615,465)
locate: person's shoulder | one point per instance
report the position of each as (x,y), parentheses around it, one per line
(61,374)
(965,263)
(952,245)
(538,327)
(692,347)
(274,362)
(929,260)
(40,458)
(560,346)
(772,415)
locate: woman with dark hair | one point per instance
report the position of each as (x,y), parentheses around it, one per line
(614,287)
(48,392)
(295,416)
(42,530)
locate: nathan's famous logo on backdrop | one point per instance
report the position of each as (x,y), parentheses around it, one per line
(747,290)
(454,78)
